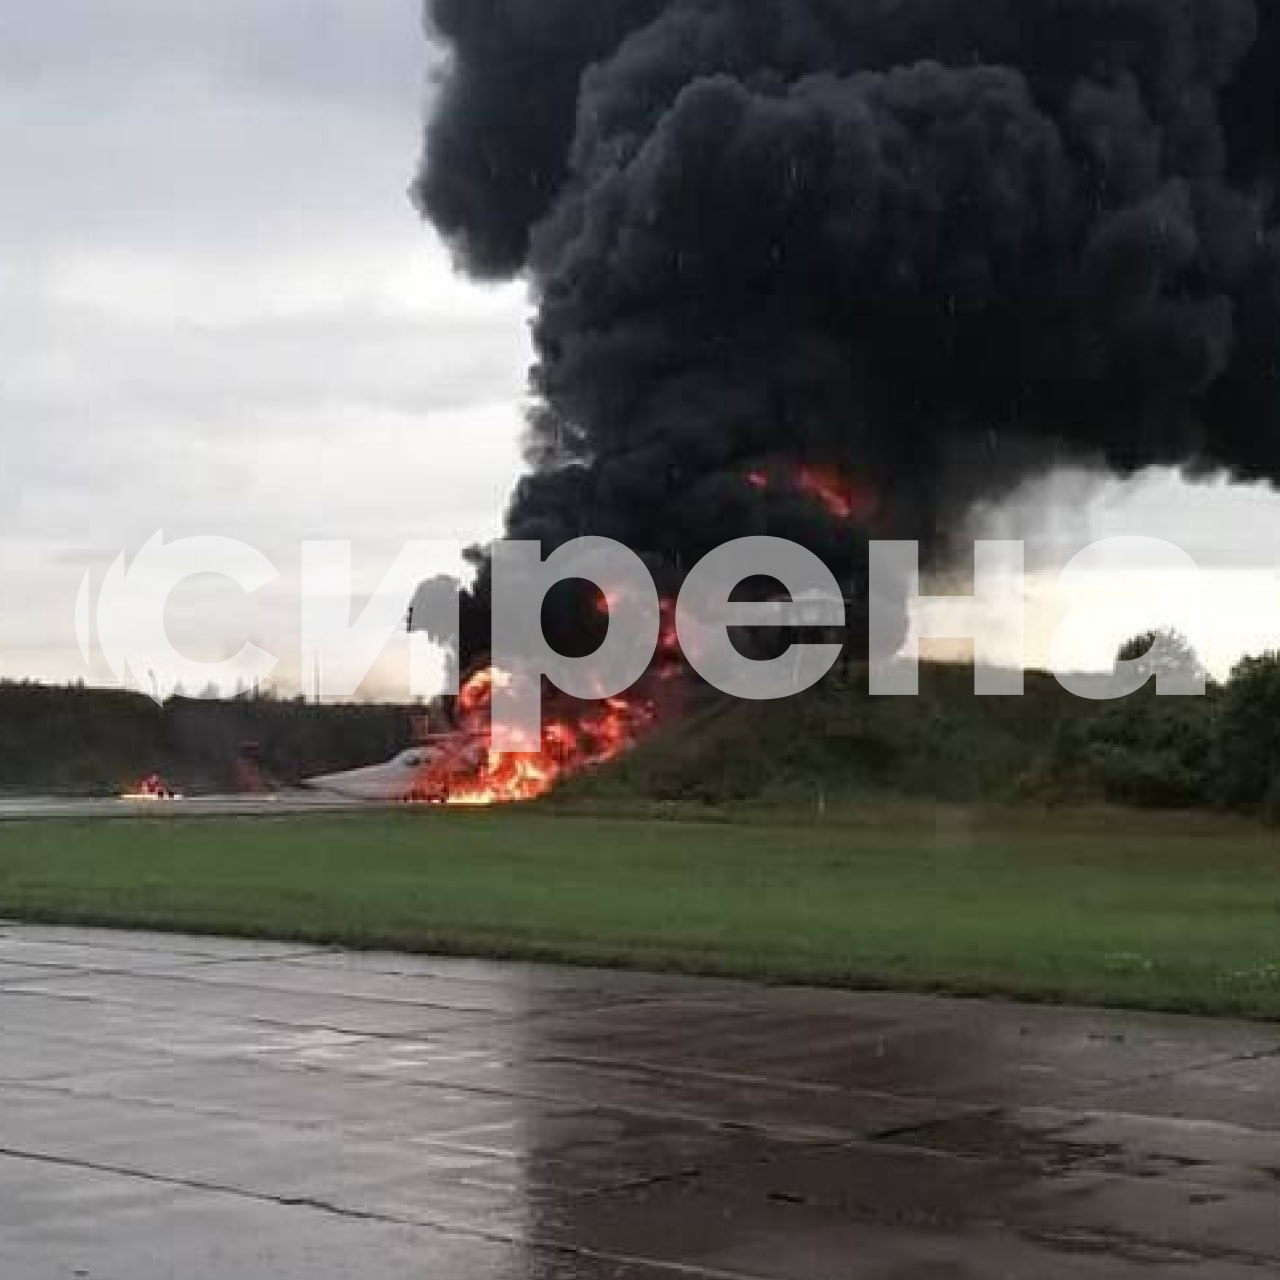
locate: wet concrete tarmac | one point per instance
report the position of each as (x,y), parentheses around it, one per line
(102,808)
(204,1109)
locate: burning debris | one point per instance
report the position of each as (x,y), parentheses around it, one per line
(881,260)
(151,789)
(573,739)
(464,769)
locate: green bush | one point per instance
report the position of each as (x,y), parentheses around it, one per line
(1248,733)
(1271,804)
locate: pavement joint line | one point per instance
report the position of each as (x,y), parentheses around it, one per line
(11,984)
(891,1136)
(675,985)
(105,939)
(56,972)
(958,1108)
(288,958)
(1186,1123)
(615,1066)
(444,1228)
(1090,1239)
(1102,1089)
(1137,1248)
(197,981)
(168,1059)
(818,1088)
(483,1019)
(192,975)
(56,1086)
(482,1022)
(803,1133)
(75,997)
(878,1140)
(51,1088)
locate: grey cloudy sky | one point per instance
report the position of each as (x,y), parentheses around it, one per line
(220,315)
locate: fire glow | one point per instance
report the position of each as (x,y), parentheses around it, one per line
(578,736)
(843,499)
(469,772)
(151,789)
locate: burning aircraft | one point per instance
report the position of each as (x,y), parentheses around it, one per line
(419,775)
(458,767)
(834,269)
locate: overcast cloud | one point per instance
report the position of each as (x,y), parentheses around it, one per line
(219,312)
(220,315)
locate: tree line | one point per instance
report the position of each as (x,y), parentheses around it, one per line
(94,741)
(1219,751)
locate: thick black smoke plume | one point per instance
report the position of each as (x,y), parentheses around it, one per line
(931,244)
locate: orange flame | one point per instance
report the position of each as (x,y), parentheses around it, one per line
(843,499)
(467,771)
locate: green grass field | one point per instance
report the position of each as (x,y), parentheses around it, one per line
(1170,912)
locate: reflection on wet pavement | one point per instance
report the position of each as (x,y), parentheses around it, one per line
(205,1109)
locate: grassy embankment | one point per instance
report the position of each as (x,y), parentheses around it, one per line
(1152,911)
